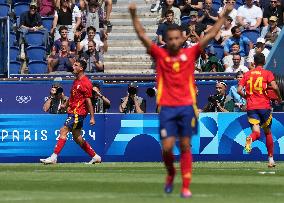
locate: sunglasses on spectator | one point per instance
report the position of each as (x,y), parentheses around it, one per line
(33,7)
(273,2)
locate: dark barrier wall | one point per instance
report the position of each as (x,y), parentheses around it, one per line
(3,45)
(29,97)
(120,137)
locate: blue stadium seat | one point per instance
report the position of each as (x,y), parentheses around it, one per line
(36,53)
(14,53)
(37,67)
(21,7)
(13,39)
(219,51)
(216,5)
(251,34)
(15,67)
(47,22)
(34,38)
(4,10)
(3,1)
(185,19)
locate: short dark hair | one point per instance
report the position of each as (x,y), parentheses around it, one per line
(91,28)
(63,27)
(259,59)
(239,73)
(234,29)
(97,84)
(169,12)
(173,27)
(237,54)
(82,63)
(235,43)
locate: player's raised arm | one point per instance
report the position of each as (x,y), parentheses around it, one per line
(216,27)
(138,27)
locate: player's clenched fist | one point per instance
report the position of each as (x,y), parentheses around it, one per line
(92,121)
(132,8)
(228,8)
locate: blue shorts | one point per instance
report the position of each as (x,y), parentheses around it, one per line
(74,121)
(177,121)
(263,117)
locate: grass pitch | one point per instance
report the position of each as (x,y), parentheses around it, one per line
(139,183)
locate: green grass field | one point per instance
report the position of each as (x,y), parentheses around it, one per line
(139,183)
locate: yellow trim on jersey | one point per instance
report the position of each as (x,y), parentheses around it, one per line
(76,121)
(253,121)
(160,90)
(267,123)
(192,89)
(195,109)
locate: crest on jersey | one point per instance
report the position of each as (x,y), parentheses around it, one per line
(78,86)
(183,57)
(167,59)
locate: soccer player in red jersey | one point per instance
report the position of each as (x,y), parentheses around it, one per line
(256,83)
(79,105)
(176,93)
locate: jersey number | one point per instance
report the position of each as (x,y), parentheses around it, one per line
(257,85)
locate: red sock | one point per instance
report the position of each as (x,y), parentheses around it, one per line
(186,168)
(255,135)
(87,148)
(269,144)
(59,145)
(168,158)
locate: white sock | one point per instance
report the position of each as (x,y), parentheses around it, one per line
(96,157)
(270,159)
(54,156)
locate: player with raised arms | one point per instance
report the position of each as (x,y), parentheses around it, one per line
(256,83)
(79,104)
(176,93)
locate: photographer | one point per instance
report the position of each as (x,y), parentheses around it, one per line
(57,101)
(219,102)
(100,103)
(132,103)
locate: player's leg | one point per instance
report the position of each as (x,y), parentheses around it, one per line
(58,147)
(168,133)
(254,121)
(77,137)
(187,126)
(266,121)
(168,158)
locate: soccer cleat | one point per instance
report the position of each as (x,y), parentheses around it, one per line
(248,144)
(49,160)
(95,159)
(169,186)
(185,193)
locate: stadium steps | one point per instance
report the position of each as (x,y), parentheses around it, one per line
(126,54)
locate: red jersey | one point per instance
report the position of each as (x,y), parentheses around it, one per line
(175,76)
(80,91)
(255,82)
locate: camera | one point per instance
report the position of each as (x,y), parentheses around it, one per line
(59,90)
(216,98)
(151,92)
(132,89)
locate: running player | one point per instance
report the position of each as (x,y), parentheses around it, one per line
(79,105)
(176,93)
(256,82)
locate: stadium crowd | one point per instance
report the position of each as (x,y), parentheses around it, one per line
(52,34)
(252,27)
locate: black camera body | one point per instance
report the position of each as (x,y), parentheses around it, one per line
(132,90)
(216,98)
(59,90)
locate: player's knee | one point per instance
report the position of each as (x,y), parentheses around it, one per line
(63,132)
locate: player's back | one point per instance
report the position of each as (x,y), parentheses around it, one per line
(80,91)
(256,82)
(175,76)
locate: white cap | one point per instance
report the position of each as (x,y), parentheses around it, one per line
(261,40)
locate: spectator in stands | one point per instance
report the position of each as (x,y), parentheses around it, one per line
(236,67)
(208,16)
(107,10)
(93,58)
(92,17)
(63,61)
(91,36)
(46,7)
(271,32)
(259,48)
(186,6)
(162,29)
(225,32)
(30,21)
(169,6)
(193,27)
(249,16)
(228,60)
(274,9)
(57,101)
(233,13)
(67,14)
(239,102)
(132,103)
(238,38)
(100,103)
(219,102)
(212,63)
